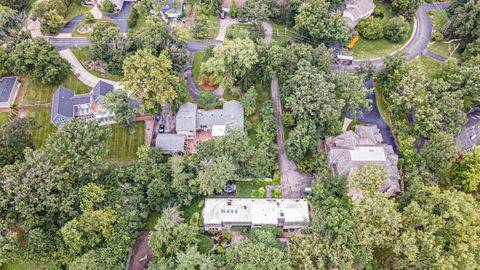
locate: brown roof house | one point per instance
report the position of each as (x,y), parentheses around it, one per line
(355,10)
(350,151)
(226,4)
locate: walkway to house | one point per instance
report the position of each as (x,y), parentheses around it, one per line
(201,136)
(149,127)
(224,24)
(81,73)
(292,181)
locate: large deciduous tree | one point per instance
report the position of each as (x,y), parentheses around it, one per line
(440,231)
(121,105)
(464,19)
(150,79)
(39,60)
(231,63)
(406,8)
(16,136)
(465,171)
(315,19)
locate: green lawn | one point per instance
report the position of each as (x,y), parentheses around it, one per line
(75,9)
(247,189)
(365,48)
(282,33)
(152,220)
(239,31)
(213,26)
(445,49)
(439,19)
(430,66)
(205,243)
(197,63)
(4,117)
(123,145)
(46,128)
(37,93)
(382,107)
(16,265)
(141,22)
(81,53)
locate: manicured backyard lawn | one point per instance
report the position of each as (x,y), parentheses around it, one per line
(4,117)
(37,93)
(365,48)
(205,243)
(46,128)
(81,53)
(123,145)
(185,33)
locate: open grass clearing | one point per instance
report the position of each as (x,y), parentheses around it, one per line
(81,53)
(74,10)
(239,31)
(439,19)
(430,66)
(197,64)
(446,49)
(123,145)
(4,117)
(365,48)
(282,34)
(37,93)
(45,129)
(205,243)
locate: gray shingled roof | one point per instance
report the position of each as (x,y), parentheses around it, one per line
(340,155)
(170,143)
(64,100)
(231,115)
(186,117)
(6,87)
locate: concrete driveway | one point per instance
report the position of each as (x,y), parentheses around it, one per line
(121,18)
(81,73)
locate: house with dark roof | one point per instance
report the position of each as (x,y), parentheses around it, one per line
(66,105)
(470,136)
(350,151)
(8,91)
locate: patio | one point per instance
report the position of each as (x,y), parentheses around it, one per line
(201,136)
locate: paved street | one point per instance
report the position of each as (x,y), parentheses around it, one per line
(190,80)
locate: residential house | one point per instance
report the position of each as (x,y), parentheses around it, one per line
(355,10)
(288,214)
(67,105)
(191,121)
(470,135)
(351,151)
(173,9)
(8,91)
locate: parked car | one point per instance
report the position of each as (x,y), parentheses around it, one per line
(343,60)
(161,128)
(222,14)
(157,118)
(242,20)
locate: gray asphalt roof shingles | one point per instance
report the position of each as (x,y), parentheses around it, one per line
(6,87)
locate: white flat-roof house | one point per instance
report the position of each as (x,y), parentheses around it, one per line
(288,214)
(355,10)
(350,151)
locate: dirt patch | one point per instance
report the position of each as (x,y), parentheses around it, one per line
(238,237)
(96,65)
(141,253)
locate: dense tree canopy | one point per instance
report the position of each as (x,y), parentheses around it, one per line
(39,60)
(464,18)
(149,78)
(315,19)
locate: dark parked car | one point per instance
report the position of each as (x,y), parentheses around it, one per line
(230,187)
(161,129)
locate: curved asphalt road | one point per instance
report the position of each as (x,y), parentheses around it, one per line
(68,28)
(417,45)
